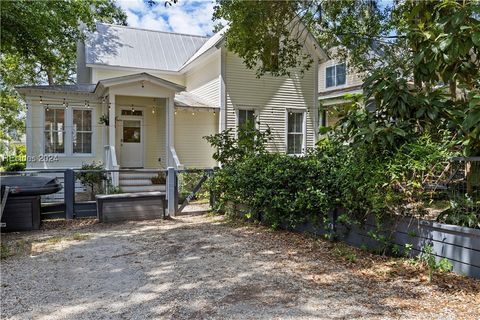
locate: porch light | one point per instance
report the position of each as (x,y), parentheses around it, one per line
(153,110)
(193,113)
(143,84)
(175,112)
(214,113)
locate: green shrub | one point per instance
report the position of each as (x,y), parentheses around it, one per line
(188,181)
(15,166)
(92,180)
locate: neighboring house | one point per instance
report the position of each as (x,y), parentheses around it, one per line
(161,93)
(335,81)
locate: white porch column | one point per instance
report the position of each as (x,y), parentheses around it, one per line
(170,130)
(111,119)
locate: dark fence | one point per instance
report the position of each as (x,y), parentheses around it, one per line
(460,245)
(77,200)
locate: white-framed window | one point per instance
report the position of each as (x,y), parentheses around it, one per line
(296,132)
(336,75)
(82,131)
(54,130)
(245,116)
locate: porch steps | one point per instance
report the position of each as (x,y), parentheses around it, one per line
(131,182)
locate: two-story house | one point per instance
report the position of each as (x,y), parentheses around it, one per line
(147,98)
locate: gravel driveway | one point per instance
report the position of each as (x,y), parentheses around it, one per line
(197,266)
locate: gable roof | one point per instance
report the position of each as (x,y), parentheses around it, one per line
(138,77)
(114,45)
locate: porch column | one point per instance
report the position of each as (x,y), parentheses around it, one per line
(170,131)
(111,119)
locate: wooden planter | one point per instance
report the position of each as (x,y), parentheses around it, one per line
(131,206)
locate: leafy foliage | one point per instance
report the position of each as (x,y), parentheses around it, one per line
(92,180)
(39,46)
(420,60)
(289,191)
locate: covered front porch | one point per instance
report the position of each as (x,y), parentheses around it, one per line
(139,129)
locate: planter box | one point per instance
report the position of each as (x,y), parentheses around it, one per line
(131,206)
(460,245)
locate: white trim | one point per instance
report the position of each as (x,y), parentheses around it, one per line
(94,136)
(304,130)
(335,87)
(246,108)
(222,117)
(316,124)
(142,129)
(29,129)
(65,126)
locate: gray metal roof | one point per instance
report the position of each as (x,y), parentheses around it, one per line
(86,88)
(140,48)
(187,99)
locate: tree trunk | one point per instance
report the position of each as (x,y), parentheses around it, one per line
(50,77)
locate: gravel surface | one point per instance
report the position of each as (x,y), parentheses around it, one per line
(199,266)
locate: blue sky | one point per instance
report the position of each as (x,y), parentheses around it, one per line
(187,16)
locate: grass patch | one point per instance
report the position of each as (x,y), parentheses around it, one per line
(345,252)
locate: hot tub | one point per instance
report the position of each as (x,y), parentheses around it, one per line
(22,210)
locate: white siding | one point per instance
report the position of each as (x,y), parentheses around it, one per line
(192,149)
(271,97)
(37,132)
(103,73)
(204,80)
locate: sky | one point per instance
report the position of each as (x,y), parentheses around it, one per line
(186,16)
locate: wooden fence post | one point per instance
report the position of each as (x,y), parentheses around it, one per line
(171,186)
(69,193)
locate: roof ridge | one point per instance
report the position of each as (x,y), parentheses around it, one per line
(151,30)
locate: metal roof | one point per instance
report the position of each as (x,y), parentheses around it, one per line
(187,99)
(140,48)
(82,88)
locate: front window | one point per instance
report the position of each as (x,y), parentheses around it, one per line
(82,131)
(336,75)
(246,116)
(295,133)
(54,130)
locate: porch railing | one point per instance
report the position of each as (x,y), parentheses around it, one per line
(176,160)
(112,164)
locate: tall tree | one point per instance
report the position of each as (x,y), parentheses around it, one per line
(38,45)
(421,59)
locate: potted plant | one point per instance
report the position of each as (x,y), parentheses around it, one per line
(103,119)
(159,179)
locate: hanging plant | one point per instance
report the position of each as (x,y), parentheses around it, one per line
(103,119)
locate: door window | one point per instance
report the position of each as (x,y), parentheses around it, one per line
(131,131)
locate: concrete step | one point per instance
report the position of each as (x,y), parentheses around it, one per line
(135,182)
(136,175)
(153,187)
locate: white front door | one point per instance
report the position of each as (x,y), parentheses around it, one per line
(131,155)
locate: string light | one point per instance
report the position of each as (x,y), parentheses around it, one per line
(109,106)
(175,112)
(193,113)
(133,110)
(48,108)
(153,110)
(214,113)
(41,100)
(85,103)
(143,84)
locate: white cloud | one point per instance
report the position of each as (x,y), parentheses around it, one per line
(186,16)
